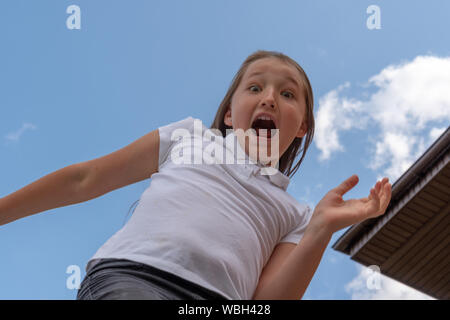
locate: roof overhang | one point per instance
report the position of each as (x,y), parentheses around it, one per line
(410,242)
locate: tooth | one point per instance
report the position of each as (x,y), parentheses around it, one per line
(263,118)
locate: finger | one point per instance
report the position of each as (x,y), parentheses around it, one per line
(347,185)
(375,203)
(382,190)
(383,183)
(374,194)
(377,187)
(386,196)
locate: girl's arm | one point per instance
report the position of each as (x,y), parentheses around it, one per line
(331,214)
(294,275)
(57,189)
(84,181)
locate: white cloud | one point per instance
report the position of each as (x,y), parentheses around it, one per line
(369,285)
(329,122)
(435,133)
(400,149)
(15,136)
(410,107)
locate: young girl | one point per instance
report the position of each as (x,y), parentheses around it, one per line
(209,228)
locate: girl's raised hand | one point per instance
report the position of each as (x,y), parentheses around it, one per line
(332,213)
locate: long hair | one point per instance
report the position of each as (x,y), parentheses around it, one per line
(286,162)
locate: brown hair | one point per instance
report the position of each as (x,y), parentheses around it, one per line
(287,159)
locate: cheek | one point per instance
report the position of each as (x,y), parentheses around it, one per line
(290,125)
(242,115)
(292,119)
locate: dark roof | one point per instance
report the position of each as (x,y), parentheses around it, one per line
(411,241)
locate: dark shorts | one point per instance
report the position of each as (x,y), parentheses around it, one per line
(119,279)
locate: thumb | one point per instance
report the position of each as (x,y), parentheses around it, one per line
(347,185)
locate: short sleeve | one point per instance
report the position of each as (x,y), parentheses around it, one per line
(166,138)
(296,234)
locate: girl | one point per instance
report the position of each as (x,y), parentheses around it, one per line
(207,228)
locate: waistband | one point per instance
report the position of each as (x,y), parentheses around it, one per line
(100,265)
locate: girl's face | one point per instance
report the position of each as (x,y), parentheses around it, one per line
(273,88)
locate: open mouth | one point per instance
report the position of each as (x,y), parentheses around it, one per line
(260,124)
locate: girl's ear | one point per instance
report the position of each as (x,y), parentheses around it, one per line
(302,131)
(227,118)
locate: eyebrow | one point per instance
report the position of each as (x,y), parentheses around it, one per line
(289,78)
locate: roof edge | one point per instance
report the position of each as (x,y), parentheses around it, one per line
(401,186)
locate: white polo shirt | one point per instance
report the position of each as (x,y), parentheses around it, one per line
(213,224)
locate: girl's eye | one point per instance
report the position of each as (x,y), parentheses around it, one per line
(290,95)
(253,87)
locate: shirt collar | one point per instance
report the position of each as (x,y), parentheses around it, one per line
(250,167)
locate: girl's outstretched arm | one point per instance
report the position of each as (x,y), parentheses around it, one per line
(331,214)
(85,180)
(54,190)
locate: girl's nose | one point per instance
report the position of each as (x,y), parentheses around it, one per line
(271,104)
(268,99)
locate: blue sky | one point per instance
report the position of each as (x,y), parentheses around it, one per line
(69,96)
